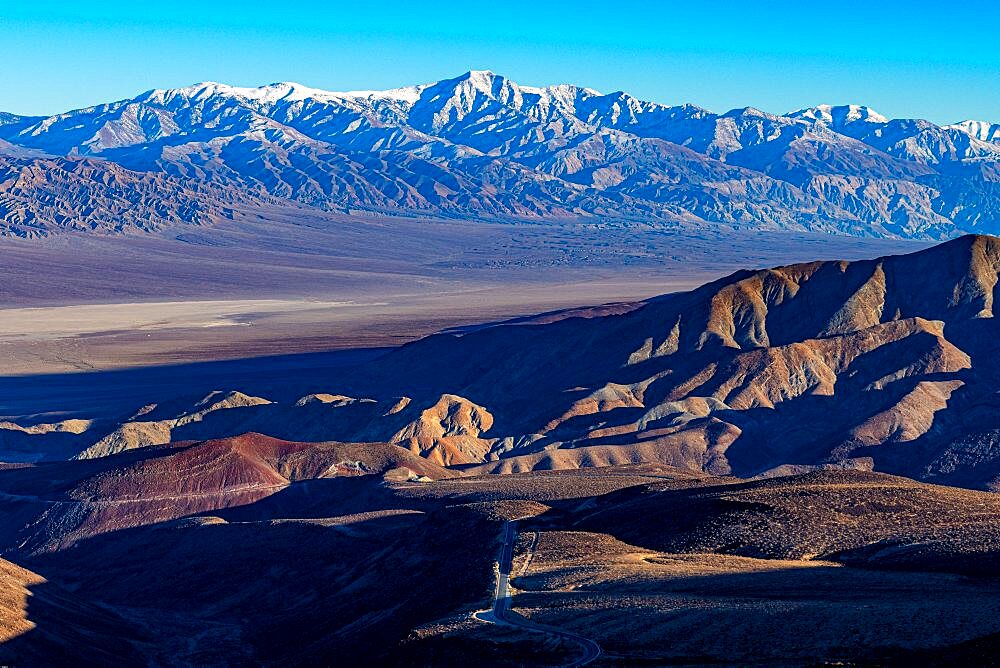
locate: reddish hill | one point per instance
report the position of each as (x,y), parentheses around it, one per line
(289,592)
(54,505)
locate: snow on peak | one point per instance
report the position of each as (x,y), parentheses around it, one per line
(481,76)
(483,81)
(409,94)
(839,115)
(748,111)
(288,91)
(486,81)
(210,89)
(982,130)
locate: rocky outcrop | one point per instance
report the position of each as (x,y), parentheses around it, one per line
(448,432)
(805,365)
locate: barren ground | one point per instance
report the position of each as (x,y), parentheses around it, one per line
(290,280)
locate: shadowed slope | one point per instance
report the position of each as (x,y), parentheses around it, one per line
(289,592)
(42,623)
(706,375)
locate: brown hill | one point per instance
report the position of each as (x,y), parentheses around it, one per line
(182,534)
(289,592)
(445,430)
(350,565)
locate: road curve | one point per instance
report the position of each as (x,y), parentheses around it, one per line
(502,614)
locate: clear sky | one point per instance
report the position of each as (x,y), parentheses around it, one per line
(938,61)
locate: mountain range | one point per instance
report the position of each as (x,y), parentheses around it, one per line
(480,146)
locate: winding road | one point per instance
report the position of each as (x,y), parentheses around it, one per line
(501,612)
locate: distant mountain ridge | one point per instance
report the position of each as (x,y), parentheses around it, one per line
(482,146)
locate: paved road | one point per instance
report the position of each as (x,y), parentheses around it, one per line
(502,614)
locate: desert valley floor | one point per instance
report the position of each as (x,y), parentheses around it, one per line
(294,281)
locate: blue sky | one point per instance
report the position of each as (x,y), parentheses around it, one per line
(918,59)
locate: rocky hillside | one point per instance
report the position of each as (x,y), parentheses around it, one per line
(887,363)
(39,195)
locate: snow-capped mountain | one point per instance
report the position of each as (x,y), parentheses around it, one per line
(482,146)
(839,116)
(981,130)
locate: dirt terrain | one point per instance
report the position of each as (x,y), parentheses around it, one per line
(703,602)
(392,555)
